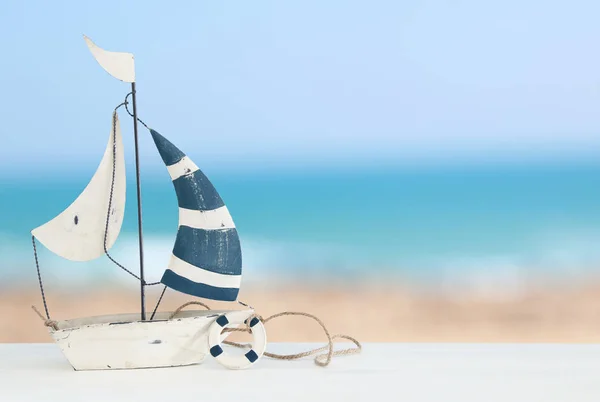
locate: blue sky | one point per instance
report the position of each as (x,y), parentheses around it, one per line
(242,84)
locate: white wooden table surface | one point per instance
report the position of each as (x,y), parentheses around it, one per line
(383,372)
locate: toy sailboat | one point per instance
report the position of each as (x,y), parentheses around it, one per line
(206,261)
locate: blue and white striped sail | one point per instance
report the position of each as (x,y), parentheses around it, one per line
(207,258)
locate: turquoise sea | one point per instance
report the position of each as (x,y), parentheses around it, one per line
(453,225)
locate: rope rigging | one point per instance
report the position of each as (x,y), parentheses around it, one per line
(112,183)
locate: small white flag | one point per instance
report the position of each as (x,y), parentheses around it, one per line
(119,65)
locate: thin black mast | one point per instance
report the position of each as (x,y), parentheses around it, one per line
(139,205)
(121,66)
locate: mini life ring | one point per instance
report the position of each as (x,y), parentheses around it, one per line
(259,342)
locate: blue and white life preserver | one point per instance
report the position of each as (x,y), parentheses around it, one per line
(259,342)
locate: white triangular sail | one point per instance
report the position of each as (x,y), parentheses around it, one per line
(118,64)
(77,234)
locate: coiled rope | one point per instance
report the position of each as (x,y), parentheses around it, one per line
(321,360)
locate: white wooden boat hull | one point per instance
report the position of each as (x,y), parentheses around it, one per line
(122,342)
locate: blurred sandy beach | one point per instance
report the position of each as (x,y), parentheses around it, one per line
(374,313)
